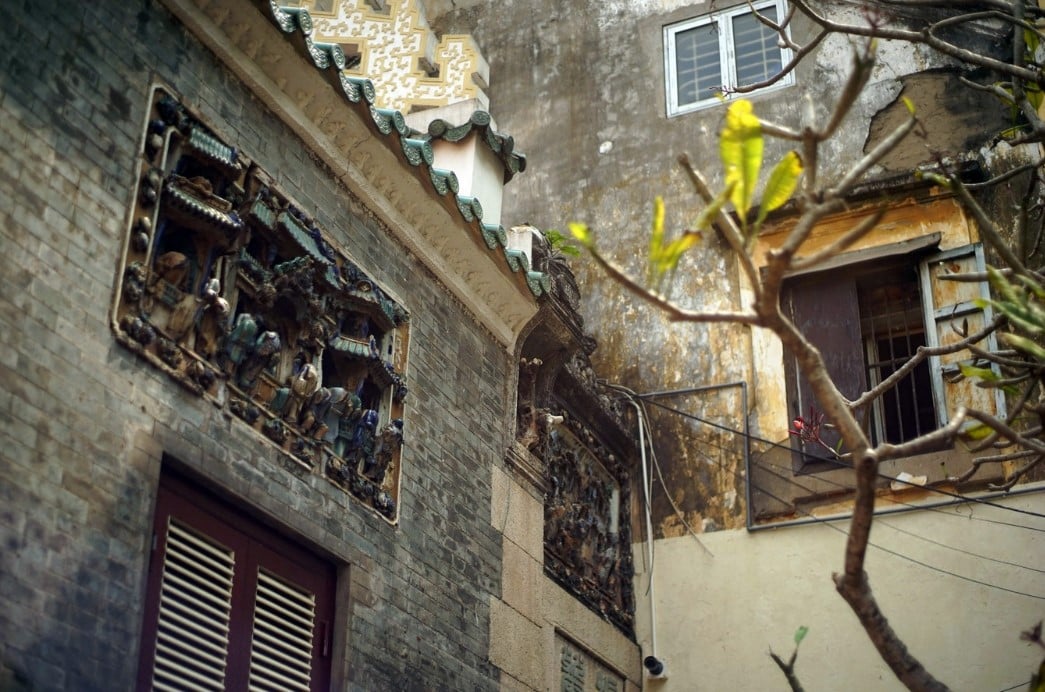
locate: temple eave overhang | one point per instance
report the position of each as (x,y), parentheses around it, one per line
(367,149)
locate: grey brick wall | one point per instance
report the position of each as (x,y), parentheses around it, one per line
(84,423)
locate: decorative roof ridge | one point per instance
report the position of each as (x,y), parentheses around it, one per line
(360,93)
(481,122)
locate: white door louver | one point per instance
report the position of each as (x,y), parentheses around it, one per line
(192,637)
(281,649)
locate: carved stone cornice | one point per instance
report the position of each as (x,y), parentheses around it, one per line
(374,167)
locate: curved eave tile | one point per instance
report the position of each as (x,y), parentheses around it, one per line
(417,150)
(503,146)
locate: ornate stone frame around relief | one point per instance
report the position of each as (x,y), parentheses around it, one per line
(587,527)
(236,293)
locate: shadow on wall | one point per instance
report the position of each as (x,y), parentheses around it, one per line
(73,608)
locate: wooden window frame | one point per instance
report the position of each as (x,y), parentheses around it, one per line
(845,356)
(256,547)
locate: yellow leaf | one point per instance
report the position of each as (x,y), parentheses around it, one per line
(674,251)
(707,214)
(976,431)
(656,239)
(740,147)
(582,233)
(781,185)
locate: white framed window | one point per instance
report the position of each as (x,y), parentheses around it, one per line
(725,48)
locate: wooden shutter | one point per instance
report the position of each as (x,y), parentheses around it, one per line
(231,605)
(949,310)
(281,646)
(192,636)
(826,310)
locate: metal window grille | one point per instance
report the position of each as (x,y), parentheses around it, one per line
(728,48)
(756,54)
(892,326)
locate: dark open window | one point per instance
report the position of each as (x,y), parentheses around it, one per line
(230,604)
(866,321)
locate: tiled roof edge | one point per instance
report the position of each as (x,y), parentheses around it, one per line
(503,146)
(360,93)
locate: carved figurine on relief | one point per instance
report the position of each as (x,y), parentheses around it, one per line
(340,415)
(213,321)
(291,401)
(360,451)
(388,443)
(248,350)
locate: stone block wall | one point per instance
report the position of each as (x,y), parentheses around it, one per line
(85,425)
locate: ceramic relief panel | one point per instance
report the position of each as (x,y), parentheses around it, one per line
(237,293)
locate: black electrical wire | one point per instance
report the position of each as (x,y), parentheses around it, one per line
(920,537)
(836,483)
(908,557)
(840,464)
(829,523)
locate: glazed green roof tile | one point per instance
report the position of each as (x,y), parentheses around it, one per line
(538,282)
(210,148)
(480,122)
(494,235)
(444,181)
(518,260)
(470,208)
(179,194)
(352,347)
(263,213)
(416,147)
(301,235)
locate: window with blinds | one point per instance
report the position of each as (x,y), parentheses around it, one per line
(706,55)
(230,604)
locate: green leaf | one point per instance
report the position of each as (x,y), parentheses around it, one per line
(941,180)
(656,239)
(972,371)
(1031,40)
(1022,343)
(558,242)
(977,431)
(582,234)
(740,147)
(800,634)
(707,214)
(674,251)
(781,185)
(1032,285)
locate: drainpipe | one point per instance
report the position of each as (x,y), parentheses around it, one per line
(654,666)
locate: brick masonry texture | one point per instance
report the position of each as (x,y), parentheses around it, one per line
(84,423)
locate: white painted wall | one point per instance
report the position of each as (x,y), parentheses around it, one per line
(718,616)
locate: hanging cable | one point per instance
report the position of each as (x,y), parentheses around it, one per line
(643,416)
(829,522)
(789,479)
(841,464)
